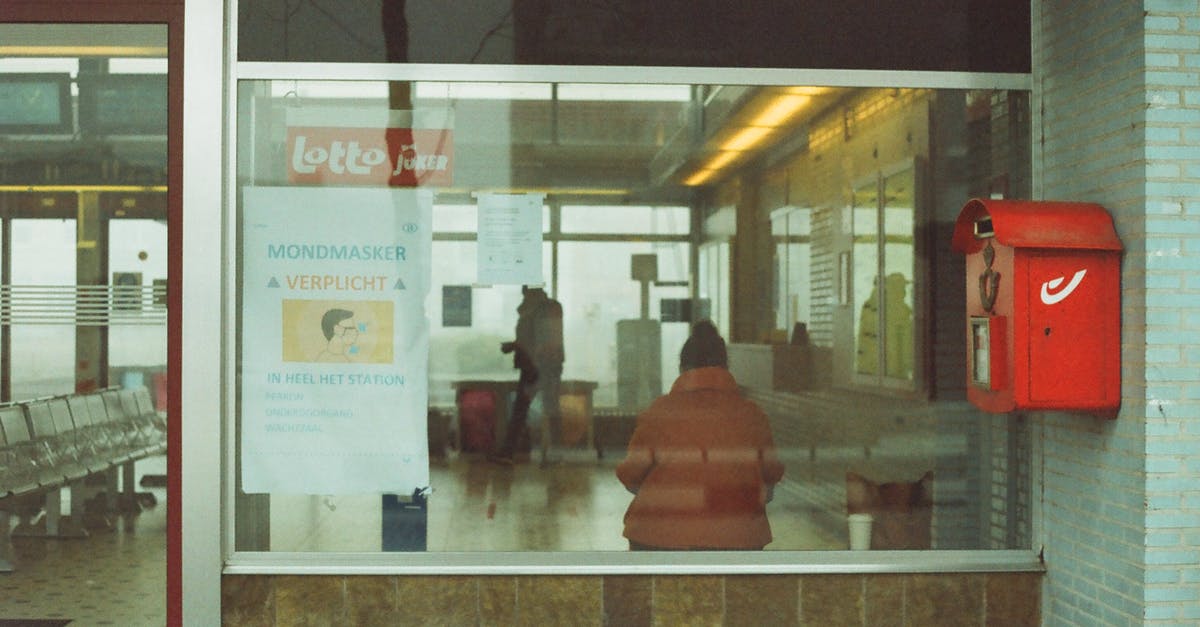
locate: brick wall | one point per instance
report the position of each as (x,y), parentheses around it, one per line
(1172,355)
(1116,84)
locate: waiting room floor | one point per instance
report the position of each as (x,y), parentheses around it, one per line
(115,577)
(573,503)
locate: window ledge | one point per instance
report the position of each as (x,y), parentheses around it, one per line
(635,563)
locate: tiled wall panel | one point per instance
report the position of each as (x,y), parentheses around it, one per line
(1007,599)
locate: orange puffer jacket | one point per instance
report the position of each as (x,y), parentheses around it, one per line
(701,462)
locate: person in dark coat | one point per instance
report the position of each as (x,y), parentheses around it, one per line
(538,355)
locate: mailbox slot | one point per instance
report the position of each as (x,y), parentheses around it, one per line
(989,349)
(983,228)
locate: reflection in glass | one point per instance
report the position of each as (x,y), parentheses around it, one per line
(46,352)
(597,292)
(898,259)
(839,222)
(865,280)
(138,248)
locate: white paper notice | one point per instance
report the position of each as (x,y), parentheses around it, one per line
(510,239)
(335,342)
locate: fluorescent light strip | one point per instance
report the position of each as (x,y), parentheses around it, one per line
(83,51)
(699,177)
(83,188)
(746,138)
(780,110)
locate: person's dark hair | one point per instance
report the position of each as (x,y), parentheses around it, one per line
(331,319)
(703,348)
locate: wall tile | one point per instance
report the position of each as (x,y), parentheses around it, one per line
(1000,600)
(1013,600)
(627,601)
(371,601)
(247,601)
(884,600)
(831,600)
(688,600)
(497,601)
(933,600)
(754,600)
(552,600)
(311,601)
(446,600)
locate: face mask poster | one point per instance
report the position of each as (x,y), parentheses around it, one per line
(334,340)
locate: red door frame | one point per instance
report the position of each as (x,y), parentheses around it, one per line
(170,13)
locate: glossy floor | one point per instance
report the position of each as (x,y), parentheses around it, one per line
(117,577)
(112,577)
(574,503)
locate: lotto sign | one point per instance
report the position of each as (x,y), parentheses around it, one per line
(396,157)
(369,147)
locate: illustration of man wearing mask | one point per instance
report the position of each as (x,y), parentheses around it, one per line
(341,335)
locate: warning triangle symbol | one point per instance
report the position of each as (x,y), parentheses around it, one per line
(399,285)
(273,282)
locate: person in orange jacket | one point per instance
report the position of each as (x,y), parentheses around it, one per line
(701,462)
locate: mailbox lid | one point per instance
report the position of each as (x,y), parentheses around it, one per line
(1037,224)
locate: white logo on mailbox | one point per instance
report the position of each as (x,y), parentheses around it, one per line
(1057,297)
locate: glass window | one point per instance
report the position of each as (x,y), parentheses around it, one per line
(361,241)
(137,260)
(45,351)
(626,219)
(791,228)
(714,283)
(598,294)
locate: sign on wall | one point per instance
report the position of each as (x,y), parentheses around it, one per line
(334,378)
(510,239)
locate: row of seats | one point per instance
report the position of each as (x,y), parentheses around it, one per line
(49,444)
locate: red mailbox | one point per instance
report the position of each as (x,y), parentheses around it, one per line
(1043,305)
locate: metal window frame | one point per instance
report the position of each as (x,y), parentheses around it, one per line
(211,85)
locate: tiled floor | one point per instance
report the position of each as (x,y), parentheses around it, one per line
(115,577)
(574,503)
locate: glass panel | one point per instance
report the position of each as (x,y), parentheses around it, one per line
(626,219)
(842,204)
(46,352)
(865,279)
(138,253)
(471,351)
(597,294)
(779,234)
(83,110)
(898,264)
(465,219)
(799,299)
(714,284)
(792,229)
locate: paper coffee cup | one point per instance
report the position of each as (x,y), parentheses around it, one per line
(860,531)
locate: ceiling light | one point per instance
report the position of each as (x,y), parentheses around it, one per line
(780,110)
(721,159)
(808,91)
(746,138)
(83,51)
(699,177)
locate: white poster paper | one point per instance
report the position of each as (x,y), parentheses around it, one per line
(510,239)
(335,342)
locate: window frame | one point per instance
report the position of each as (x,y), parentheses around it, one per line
(545,563)
(918,384)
